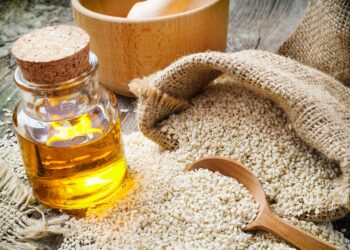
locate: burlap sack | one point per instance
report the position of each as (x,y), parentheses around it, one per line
(322,39)
(316,104)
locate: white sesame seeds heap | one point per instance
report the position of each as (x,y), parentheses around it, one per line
(232,122)
(170,209)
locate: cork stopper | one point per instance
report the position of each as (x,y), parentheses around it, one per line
(52,54)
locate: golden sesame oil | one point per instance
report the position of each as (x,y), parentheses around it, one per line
(70,139)
(78,166)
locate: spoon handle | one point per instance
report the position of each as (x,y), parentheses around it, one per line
(270,222)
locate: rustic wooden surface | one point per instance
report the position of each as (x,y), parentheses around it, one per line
(254,24)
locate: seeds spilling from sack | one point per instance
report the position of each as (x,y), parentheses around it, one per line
(232,122)
(173,209)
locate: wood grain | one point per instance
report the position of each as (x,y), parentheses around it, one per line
(266,220)
(129,49)
(263,24)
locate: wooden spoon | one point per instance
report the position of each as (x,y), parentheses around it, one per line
(266,220)
(157,8)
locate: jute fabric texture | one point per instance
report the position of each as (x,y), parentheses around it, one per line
(316,104)
(23,220)
(322,39)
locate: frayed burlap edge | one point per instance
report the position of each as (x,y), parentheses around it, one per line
(283,81)
(23,222)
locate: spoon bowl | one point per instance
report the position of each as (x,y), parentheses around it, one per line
(266,220)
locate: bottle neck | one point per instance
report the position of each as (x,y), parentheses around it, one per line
(63,100)
(61,107)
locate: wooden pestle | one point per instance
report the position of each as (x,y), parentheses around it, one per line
(157,8)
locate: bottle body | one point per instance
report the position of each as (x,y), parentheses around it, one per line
(70,139)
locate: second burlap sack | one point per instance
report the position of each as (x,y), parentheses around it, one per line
(316,104)
(322,39)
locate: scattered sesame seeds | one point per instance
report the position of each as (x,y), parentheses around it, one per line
(7,112)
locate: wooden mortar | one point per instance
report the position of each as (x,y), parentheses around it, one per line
(129,49)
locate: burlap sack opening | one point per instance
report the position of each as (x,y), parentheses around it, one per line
(316,104)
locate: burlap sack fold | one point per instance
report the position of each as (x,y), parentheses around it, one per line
(322,39)
(316,104)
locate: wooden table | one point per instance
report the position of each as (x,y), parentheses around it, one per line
(254,24)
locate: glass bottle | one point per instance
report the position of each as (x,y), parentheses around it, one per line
(70,137)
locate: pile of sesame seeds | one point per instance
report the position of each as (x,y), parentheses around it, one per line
(232,122)
(171,209)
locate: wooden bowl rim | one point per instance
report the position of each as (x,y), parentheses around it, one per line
(87,12)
